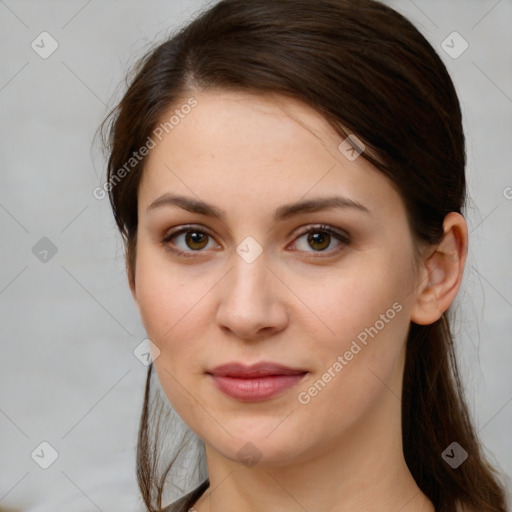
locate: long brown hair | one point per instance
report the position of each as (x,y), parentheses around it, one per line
(369,72)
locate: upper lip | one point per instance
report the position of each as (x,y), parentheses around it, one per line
(262,369)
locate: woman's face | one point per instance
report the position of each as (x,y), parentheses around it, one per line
(327,291)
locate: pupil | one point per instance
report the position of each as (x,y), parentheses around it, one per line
(194,237)
(318,238)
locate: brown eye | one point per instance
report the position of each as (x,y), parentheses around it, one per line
(190,241)
(187,241)
(196,240)
(319,240)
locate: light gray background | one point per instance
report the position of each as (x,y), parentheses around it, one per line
(69,326)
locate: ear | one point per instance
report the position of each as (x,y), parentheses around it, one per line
(441,273)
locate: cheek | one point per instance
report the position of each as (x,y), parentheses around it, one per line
(367,313)
(168,303)
(366,294)
(164,295)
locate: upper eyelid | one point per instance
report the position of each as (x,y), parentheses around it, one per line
(302,229)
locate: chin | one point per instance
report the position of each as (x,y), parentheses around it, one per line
(260,448)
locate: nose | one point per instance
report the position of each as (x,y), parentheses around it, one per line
(251,304)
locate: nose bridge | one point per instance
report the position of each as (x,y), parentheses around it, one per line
(248,302)
(249,275)
(250,278)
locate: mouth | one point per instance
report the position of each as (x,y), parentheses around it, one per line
(256,382)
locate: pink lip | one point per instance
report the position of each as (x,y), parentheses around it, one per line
(255,382)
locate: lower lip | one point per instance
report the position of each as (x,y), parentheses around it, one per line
(258,388)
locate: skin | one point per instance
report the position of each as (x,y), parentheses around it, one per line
(247,155)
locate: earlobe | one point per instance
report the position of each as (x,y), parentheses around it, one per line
(442,272)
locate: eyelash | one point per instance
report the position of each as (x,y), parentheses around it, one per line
(343,238)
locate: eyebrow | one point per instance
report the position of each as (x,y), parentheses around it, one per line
(282,213)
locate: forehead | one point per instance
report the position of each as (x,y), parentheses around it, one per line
(236,125)
(257,149)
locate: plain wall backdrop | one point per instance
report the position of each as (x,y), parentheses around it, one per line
(69,326)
